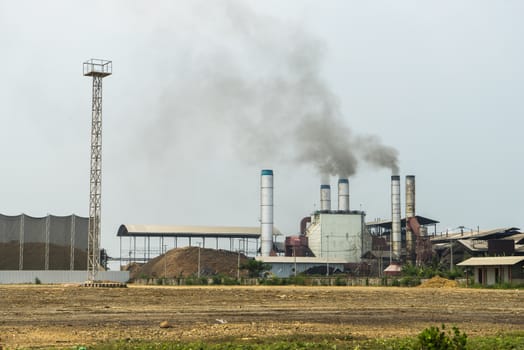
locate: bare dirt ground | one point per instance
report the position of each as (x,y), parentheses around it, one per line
(64,316)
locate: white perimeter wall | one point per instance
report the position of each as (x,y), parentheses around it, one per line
(59,276)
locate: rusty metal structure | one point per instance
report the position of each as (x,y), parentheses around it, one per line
(97,69)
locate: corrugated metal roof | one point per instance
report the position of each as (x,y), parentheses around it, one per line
(519,237)
(299,260)
(189,231)
(501,232)
(386,223)
(474,245)
(492,261)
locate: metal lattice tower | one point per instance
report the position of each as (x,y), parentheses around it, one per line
(98,69)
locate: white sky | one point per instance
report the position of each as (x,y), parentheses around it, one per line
(440,81)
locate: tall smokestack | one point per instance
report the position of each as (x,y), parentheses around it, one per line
(395,217)
(325,197)
(266,212)
(343,195)
(410,212)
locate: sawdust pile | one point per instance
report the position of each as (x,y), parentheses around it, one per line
(183,262)
(439,282)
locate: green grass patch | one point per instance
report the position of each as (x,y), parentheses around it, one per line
(432,338)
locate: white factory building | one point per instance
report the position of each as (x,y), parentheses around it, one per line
(339,236)
(333,238)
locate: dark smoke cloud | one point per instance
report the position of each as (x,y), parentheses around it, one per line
(374,152)
(253,84)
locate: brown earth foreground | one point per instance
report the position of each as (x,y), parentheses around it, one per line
(64,316)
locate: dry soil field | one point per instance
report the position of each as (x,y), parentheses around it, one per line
(61,316)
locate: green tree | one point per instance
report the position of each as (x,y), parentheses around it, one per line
(255,268)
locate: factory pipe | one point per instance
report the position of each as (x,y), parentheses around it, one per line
(325,198)
(266,212)
(395,217)
(343,195)
(410,212)
(303,225)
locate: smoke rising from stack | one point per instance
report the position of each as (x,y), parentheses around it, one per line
(254,84)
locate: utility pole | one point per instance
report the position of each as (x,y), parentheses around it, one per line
(165,261)
(238,266)
(98,69)
(295,261)
(451,255)
(327,255)
(238,260)
(198,272)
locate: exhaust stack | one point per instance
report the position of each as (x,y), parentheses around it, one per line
(266,212)
(325,198)
(410,212)
(343,195)
(395,217)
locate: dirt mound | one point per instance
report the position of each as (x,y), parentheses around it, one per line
(133,268)
(439,282)
(183,262)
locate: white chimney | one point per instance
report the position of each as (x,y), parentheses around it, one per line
(395,217)
(343,195)
(266,212)
(325,198)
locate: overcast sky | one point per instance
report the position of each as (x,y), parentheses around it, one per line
(205,94)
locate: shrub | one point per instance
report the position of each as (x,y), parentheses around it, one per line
(255,268)
(395,283)
(37,280)
(409,281)
(298,280)
(433,338)
(339,281)
(273,281)
(454,274)
(228,281)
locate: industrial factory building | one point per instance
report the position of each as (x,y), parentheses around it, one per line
(452,248)
(341,236)
(331,239)
(338,235)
